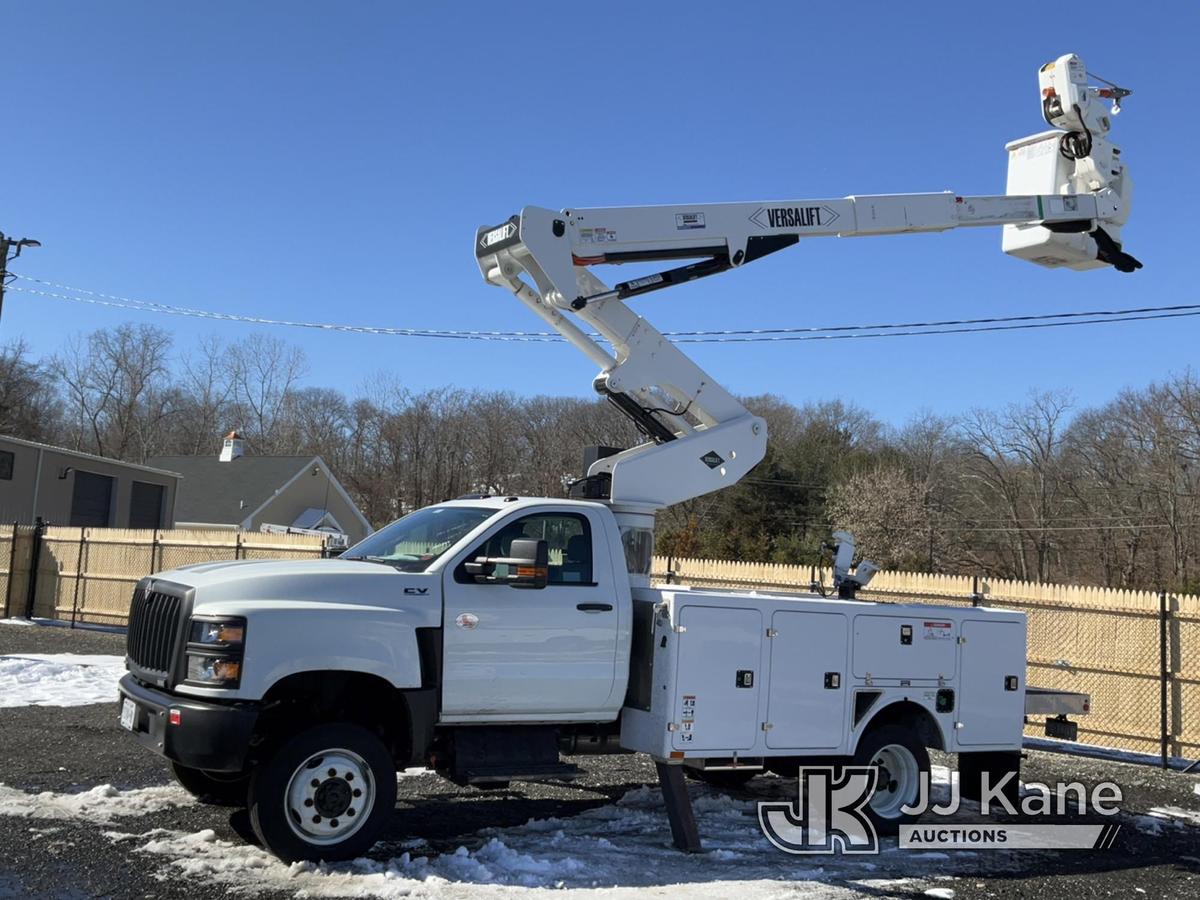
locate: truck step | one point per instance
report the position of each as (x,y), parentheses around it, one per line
(492,754)
(493,774)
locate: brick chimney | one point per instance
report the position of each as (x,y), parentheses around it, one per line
(232,447)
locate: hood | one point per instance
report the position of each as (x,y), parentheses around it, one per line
(305,581)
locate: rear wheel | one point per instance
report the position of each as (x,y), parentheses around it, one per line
(901,761)
(324,794)
(213,788)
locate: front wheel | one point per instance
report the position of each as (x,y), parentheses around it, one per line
(902,762)
(213,788)
(324,794)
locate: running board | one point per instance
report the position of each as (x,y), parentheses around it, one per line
(495,754)
(493,774)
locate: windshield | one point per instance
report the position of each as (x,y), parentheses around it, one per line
(414,543)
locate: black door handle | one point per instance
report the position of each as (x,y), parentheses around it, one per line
(594,607)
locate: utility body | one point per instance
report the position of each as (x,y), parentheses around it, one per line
(482,637)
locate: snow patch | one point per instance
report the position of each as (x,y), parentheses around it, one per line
(58,679)
(61,623)
(101,805)
(618,851)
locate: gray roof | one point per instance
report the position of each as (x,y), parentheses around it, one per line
(80,454)
(227,492)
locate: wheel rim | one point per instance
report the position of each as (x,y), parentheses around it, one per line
(899,780)
(329,796)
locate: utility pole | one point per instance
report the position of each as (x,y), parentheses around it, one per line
(6,246)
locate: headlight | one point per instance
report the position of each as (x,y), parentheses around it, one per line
(214,670)
(232,631)
(214,651)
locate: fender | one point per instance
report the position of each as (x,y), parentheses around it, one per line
(282,640)
(903,712)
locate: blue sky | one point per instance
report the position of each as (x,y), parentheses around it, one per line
(330,162)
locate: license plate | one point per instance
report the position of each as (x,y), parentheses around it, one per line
(128,714)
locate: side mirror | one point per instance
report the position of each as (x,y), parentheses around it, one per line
(528,565)
(531,562)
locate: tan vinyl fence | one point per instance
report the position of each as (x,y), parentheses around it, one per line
(1121,647)
(87,575)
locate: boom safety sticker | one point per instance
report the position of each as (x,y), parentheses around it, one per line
(939,631)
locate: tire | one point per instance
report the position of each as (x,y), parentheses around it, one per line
(213,788)
(903,761)
(302,799)
(729,779)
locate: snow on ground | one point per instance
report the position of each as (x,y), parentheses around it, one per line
(622,850)
(62,623)
(58,679)
(1098,751)
(103,804)
(617,851)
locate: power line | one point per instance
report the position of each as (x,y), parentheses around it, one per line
(834,332)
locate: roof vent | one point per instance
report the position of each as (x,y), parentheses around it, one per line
(232,447)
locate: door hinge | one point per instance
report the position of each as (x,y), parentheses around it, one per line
(961,639)
(767,726)
(959,726)
(672,726)
(679,629)
(771,632)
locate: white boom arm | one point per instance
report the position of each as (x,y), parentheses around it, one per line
(701,437)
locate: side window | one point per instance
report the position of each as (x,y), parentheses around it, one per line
(6,465)
(569,538)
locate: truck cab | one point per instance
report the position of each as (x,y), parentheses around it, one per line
(508,615)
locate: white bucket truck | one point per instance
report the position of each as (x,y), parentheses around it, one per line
(484,636)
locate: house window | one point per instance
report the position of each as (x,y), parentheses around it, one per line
(6,465)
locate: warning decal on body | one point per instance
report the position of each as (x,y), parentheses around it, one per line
(687,718)
(939,631)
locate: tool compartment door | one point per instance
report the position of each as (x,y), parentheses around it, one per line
(716,702)
(990,707)
(803,713)
(914,646)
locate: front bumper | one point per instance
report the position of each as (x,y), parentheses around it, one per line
(211,736)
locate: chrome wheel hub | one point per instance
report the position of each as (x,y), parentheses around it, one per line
(329,796)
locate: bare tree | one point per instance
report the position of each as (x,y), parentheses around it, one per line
(117,387)
(1014,479)
(29,408)
(264,372)
(206,380)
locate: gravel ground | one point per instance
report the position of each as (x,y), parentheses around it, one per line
(72,749)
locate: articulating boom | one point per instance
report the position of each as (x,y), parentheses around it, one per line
(1068,196)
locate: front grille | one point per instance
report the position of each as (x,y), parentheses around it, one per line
(154,619)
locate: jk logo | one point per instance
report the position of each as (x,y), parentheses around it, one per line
(828,814)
